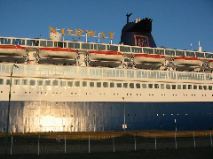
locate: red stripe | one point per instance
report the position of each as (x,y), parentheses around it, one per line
(106,52)
(11,47)
(186,58)
(148,55)
(58,49)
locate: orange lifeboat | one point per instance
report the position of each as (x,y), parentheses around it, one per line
(188,61)
(153,59)
(58,53)
(113,56)
(12,50)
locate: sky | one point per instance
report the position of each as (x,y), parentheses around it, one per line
(176,23)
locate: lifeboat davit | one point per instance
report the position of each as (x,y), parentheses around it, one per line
(105,56)
(58,53)
(12,50)
(187,61)
(148,60)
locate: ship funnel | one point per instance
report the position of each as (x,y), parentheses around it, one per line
(138,33)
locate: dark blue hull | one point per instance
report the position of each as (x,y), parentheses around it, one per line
(106,116)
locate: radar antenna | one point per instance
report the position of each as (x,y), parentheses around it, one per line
(127,16)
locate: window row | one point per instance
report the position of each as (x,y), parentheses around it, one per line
(99,84)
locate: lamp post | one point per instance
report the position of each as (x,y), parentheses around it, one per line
(8,107)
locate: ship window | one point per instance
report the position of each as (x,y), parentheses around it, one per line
(112,85)
(190,54)
(77,83)
(200,87)
(119,85)
(63,83)
(179,53)
(189,86)
(5,41)
(205,87)
(143,85)
(195,87)
(124,49)
(162,86)
(150,85)
(112,47)
(40,82)
(69,83)
(138,85)
(55,82)
(168,86)
(32,82)
(209,55)
(84,83)
(184,86)
(91,84)
(49,43)
(32,42)
(105,84)
(47,82)
(99,47)
(18,42)
(74,45)
(86,46)
(125,85)
(43,43)
(1,81)
(17,82)
(136,50)
(148,51)
(24,82)
(98,84)
(170,52)
(8,82)
(156,85)
(199,54)
(210,87)
(159,52)
(178,86)
(131,85)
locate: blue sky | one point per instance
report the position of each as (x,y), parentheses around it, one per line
(176,23)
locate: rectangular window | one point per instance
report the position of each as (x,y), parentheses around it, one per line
(47,82)
(184,86)
(194,86)
(138,85)
(43,43)
(205,87)
(24,82)
(150,85)
(91,84)
(40,82)
(63,83)
(55,82)
(125,85)
(168,86)
(124,49)
(178,86)
(173,86)
(99,47)
(32,82)
(84,83)
(131,85)
(210,87)
(162,86)
(200,87)
(17,82)
(1,81)
(156,86)
(49,43)
(119,85)
(8,82)
(112,85)
(77,84)
(143,85)
(112,47)
(74,45)
(98,84)
(105,84)
(69,83)
(189,86)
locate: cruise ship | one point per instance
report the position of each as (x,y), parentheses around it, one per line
(75,86)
